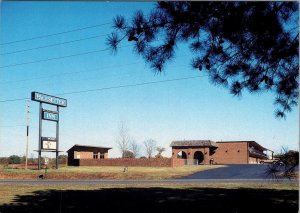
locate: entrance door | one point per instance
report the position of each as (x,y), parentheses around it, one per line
(199,156)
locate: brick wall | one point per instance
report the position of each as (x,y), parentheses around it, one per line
(152,162)
(231,153)
(176,162)
(83,155)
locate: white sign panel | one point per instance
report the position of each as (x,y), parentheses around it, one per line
(46,161)
(49,145)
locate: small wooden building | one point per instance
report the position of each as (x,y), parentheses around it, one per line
(86,152)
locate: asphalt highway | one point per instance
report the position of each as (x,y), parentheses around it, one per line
(242,174)
(149,182)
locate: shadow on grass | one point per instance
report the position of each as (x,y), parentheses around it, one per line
(156,200)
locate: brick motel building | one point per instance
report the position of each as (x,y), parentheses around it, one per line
(222,152)
(187,152)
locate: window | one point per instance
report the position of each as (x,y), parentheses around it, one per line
(95,155)
(101,155)
(78,155)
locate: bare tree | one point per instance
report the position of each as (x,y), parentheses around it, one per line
(160,150)
(128,154)
(134,148)
(285,166)
(150,146)
(123,138)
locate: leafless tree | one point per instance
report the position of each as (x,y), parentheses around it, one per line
(160,150)
(134,148)
(285,166)
(123,138)
(150,146)
(128,154)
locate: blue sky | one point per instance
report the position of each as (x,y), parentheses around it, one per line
(186,109)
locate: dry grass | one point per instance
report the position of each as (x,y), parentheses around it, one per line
(115,173)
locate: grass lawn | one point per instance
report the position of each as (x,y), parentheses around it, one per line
(116,173)
(150,198)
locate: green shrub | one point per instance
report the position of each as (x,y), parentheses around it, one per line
(14,159)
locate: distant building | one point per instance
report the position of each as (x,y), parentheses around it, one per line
(86,152)
(222,152)
(187,152)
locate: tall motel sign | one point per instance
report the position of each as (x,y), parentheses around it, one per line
(48,144)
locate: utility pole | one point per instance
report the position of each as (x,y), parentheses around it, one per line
(27,134)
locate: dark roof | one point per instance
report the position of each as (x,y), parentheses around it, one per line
(206,143)
(89,147)
(253,143)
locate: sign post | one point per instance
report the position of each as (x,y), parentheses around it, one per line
(40,136)
(57,138)
(48,144)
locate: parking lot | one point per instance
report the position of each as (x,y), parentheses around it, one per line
(245,171)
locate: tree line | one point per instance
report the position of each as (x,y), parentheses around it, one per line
(129,148)
(15,159)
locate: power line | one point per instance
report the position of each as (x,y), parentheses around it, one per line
(11,100)
(61,57)
(13,126)
(55,58)
(54,34)
(131,85)
(71,73)
(48,85)
(67,73)
(18,125)
(113,87)
(52,45)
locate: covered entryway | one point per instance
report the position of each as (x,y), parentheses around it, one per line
(193,151)
(198,155)
(182,155)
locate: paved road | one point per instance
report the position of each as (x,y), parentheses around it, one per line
(230,174)
(148,182)
(252,171)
